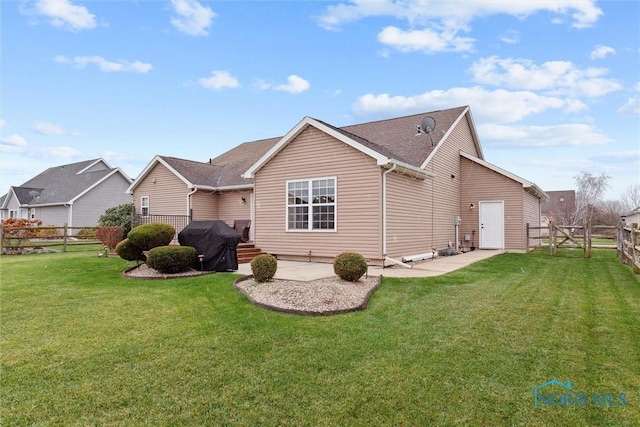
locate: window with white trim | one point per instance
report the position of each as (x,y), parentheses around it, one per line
(311,205)
(144,205)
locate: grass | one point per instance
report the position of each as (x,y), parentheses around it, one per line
(82,345)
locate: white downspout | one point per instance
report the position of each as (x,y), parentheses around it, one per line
(69,207)
(384,209)
(195,190)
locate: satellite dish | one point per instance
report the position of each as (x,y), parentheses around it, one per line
(34,194)
(428,124)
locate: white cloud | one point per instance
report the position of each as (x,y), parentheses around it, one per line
(562,135)
(12,142)
(47,128)
(601,52)
(631,107)
(218,80)
(436,24)
(104,65)
(63,152)
(295,84)
(552,77)
(499,106)
(192,18)
(426,40)
(510,37)
(64,14)
(584,12)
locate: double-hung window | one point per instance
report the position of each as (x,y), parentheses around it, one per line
(311,205)
(144,205)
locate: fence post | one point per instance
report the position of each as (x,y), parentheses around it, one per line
(1,238)
(527,235)
(64,238)
(635,241)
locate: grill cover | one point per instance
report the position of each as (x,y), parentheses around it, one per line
(216,241)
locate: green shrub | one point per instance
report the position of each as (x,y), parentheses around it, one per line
(171,259)
(264,267)
(119,216)
(350,266)
(129,251)
(151,235)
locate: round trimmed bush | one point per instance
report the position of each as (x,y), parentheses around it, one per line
(151,235)
(171,259)
(350,266)
(264,267)
(129,251)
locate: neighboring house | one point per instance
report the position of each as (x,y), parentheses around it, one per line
(632,218)
(380,188)
(560,207)
(76,194)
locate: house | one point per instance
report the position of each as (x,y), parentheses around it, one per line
(390,190)
(75,194)
(632,219)
(559,207)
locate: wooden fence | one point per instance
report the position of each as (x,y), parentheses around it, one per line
(20,239)
(570,236)
(629,247)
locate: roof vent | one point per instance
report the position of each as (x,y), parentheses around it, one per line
(426,126)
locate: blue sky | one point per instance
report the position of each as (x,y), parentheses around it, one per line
(553,86)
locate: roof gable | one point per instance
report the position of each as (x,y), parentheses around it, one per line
(220,173)
(65,183)
(528,185)
(390,142)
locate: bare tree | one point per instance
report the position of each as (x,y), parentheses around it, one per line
(631,197)
(608,212)
(589,193)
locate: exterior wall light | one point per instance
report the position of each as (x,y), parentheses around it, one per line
(472,207)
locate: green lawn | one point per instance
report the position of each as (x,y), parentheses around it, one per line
(82,345)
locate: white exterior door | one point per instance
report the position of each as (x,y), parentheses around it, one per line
(492,225)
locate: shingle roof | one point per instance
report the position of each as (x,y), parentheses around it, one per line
(395,138)
(398,137)
(60,184)
(225,170)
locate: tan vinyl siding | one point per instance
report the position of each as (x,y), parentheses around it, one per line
(532,214)
(204,206)
(314,154)
(409,230)
(231,207)
(167,195)
(446,189)
(482,184)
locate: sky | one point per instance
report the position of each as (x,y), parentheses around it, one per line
(553,86)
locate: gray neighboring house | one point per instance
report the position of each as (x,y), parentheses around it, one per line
(75,194)
(633,217)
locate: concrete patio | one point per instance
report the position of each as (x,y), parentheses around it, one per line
(306,271)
